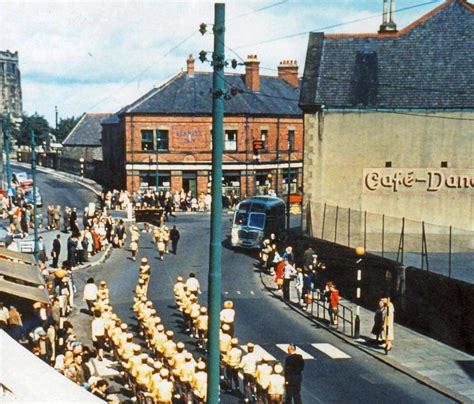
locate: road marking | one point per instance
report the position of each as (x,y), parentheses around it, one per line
(305,355)
(260,352)
(238,292)
(226,293)
(252,292)
(331,351)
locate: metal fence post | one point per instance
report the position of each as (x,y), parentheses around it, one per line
(450,249)
(324,221)
(383,234)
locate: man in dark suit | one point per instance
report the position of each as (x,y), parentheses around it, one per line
(294,365)
(174,237)
(56,251)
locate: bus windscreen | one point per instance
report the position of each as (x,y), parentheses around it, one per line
(257,220)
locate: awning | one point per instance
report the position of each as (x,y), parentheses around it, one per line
(7,254)
(26,273)
(28,379)
(27,292)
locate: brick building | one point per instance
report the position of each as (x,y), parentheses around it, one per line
(164,138)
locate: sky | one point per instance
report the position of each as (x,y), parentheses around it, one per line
(98,56)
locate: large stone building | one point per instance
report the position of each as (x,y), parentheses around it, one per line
(10,95)
(389,123)
(164,138)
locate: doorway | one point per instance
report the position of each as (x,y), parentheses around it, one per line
(190,182)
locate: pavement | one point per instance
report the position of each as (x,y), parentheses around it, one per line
(431,362)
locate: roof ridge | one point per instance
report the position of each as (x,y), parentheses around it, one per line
(408,28)
(152,92)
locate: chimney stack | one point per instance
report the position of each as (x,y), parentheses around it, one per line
(388,24)
(190,66)
(288,71)
(252,73)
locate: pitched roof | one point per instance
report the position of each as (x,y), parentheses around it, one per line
(88,131)
(427,65)
(190,95)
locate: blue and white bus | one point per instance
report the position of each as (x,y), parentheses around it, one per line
(255,219)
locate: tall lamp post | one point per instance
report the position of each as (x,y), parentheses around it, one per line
(288,179)
(215,253)
(35,207)
(157,176)
(6,137)
(360,251)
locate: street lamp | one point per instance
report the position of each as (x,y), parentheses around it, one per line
(360,252)
(157,176)
(35,207)
(288,179)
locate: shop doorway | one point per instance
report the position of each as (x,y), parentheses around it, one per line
(190,182)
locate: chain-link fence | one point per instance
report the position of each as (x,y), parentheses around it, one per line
(442,249)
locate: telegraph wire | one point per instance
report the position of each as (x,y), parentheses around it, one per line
(334,25)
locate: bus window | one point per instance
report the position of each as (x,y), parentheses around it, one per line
(257,207)
(241,218)
(245,206)
(257,220)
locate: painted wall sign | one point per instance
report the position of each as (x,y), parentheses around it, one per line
(185,138)
(417,180)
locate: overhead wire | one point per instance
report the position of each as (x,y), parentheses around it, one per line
(294,35)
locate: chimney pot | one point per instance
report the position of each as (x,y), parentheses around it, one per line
(190,66)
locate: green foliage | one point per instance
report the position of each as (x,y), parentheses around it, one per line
(35,122)
(65,125)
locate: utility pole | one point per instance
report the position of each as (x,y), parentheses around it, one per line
(215,253)
(157,182)
(56,117)
(6,139)
(35,207)
(288,180)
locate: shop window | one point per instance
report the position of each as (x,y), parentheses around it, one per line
(148,180)
(230,140)
(147,140)
(293,182)
(162,139)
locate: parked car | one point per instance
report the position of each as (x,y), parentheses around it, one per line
(29,197)
(21,179)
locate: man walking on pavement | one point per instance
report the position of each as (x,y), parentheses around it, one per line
(294,365)
(174,237)
(56,251)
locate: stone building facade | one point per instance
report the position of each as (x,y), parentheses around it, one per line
(10,94)
(389,121)
(164,138)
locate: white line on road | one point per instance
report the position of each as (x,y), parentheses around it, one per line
(331,351)
(260,352)
(226,293)
(252,292)
(238,292)
(305,355)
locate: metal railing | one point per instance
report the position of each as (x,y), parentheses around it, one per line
(318,301)
(442,249)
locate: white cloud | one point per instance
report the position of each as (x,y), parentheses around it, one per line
(86,56)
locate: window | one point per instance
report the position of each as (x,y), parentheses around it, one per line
(230,140)
(291,139)
(388,164)
(264,136)
(162,139)
(147,140)
(148,180)
(444,164)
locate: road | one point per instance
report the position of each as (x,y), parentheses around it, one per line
(261,318)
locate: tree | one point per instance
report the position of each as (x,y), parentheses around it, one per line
(65,125)
(35,122)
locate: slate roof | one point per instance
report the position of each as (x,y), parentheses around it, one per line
(88,131)
(185,95)
(427,65)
